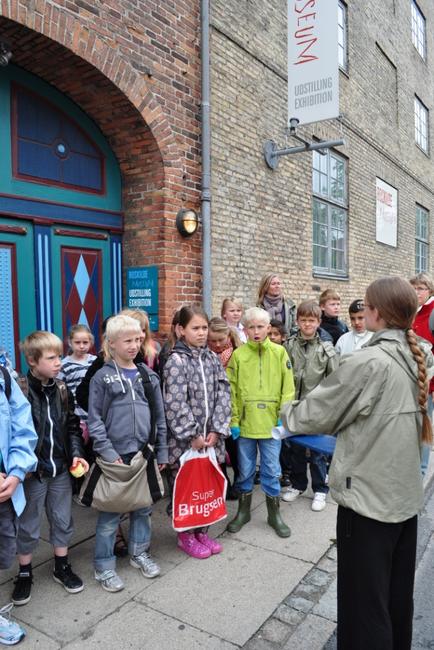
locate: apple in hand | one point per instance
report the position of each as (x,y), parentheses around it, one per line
(76,469)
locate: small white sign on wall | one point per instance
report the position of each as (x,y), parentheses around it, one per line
(387,213)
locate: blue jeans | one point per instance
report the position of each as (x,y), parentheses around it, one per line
(269,466)
(318,469)
(139,537)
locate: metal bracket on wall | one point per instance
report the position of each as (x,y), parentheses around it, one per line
(272,153)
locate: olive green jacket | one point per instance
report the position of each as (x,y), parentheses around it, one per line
(312,360)
(371,401)
(261,380)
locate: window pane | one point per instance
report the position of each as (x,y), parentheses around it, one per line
(320,212)
(329,220)
(418,29)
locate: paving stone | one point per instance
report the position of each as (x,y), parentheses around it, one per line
(288,615)
(275,631)
(263,577)
(327,564)
(318,578)
(327,604)
(312,634)
(120,631)
(310,592)
(301,604)
(258,643)
(333,552)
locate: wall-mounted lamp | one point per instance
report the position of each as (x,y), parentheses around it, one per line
(5,53)
(187,222)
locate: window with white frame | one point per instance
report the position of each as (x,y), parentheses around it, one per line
(418,29)
(330,214)
(421,117)
(342,36)
(422,239)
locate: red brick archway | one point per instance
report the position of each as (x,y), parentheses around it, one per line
(158,176)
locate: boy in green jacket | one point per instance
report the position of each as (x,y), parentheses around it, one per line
(261,380)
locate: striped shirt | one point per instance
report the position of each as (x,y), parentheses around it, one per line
(72,373)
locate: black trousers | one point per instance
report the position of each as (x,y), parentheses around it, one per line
(376,565)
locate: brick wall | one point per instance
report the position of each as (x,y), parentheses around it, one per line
(262,219)
(134,69)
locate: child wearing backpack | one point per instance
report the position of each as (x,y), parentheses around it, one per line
(197,401)
(17,443)
(120,423)
(59,445)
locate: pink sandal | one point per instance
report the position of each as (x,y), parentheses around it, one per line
(212,544)
(188,543)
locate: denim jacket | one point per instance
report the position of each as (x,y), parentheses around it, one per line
(17,439)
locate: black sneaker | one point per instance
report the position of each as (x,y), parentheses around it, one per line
(22,589)
(285,481)
(68,579)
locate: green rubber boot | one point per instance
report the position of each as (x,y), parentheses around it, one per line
(274,518)
(243,514)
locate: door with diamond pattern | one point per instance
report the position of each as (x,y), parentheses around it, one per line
(81,281)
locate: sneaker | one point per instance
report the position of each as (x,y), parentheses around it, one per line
(109,580)
(190,545)
(257,478)
(213,545)
(68,579)
(10,632)
(146,564)
(22,589)
(285,481)
(291,495)
(319,501)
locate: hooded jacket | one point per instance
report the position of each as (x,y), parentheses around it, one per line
(119,415)
(261,381)
(371,401)
(312,360)
(17,439)
(196,397)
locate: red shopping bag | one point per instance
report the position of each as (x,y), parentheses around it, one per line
(200,491)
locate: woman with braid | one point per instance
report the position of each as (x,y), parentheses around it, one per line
(376,404)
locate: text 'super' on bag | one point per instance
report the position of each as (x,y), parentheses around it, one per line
(112,487)
(199,492)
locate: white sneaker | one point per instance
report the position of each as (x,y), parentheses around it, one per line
(109,580)
(319,501)
(146,564)
(291,495)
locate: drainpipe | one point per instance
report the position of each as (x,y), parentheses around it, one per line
(206,158)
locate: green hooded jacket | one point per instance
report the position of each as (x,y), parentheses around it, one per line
(261,381)
(371,402)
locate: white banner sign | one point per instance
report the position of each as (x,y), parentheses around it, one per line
(313,70)
(387,213)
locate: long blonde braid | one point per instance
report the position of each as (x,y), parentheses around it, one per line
(423,383)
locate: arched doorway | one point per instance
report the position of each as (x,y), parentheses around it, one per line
(159,173)
(61,223)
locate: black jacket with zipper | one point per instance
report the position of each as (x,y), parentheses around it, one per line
(57,426)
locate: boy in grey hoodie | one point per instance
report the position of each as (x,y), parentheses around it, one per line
(119,425)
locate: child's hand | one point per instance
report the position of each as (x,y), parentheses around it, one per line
(211,439)
(119,461)
(82,462)
(8,487)
(198,443)
(162,466)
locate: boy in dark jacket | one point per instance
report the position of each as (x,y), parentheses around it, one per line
(59,445)
(330,303)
